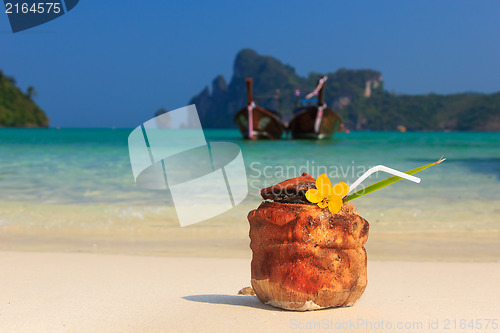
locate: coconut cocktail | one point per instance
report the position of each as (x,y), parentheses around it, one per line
(308,241)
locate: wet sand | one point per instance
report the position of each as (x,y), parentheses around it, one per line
(476,246)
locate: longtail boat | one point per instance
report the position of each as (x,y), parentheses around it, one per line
(317,121)
(255,122)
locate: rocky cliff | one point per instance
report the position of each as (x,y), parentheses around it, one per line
(358,95)
(218,104)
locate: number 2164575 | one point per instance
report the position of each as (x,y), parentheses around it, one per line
(35,8)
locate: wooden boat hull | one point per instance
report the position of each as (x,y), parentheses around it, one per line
(303,123)
(266,125)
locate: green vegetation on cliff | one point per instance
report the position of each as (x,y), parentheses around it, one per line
(358,95)
(17,109)
(455,112)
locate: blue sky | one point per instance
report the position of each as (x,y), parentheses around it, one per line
(113,63)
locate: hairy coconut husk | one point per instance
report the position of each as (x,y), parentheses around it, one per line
(304,257)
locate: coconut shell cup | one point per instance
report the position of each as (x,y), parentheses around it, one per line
(305,257)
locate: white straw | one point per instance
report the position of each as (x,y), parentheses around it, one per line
(385,169)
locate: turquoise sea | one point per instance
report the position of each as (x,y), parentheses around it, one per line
(81,179)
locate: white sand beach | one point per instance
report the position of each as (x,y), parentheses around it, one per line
(74,292)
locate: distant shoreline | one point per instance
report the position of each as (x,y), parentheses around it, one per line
(235,129)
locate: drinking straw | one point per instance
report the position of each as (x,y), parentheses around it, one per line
(385,182)
(385,169)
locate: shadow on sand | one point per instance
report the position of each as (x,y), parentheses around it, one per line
(239,300)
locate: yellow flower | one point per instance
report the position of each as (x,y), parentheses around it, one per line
(326,195)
